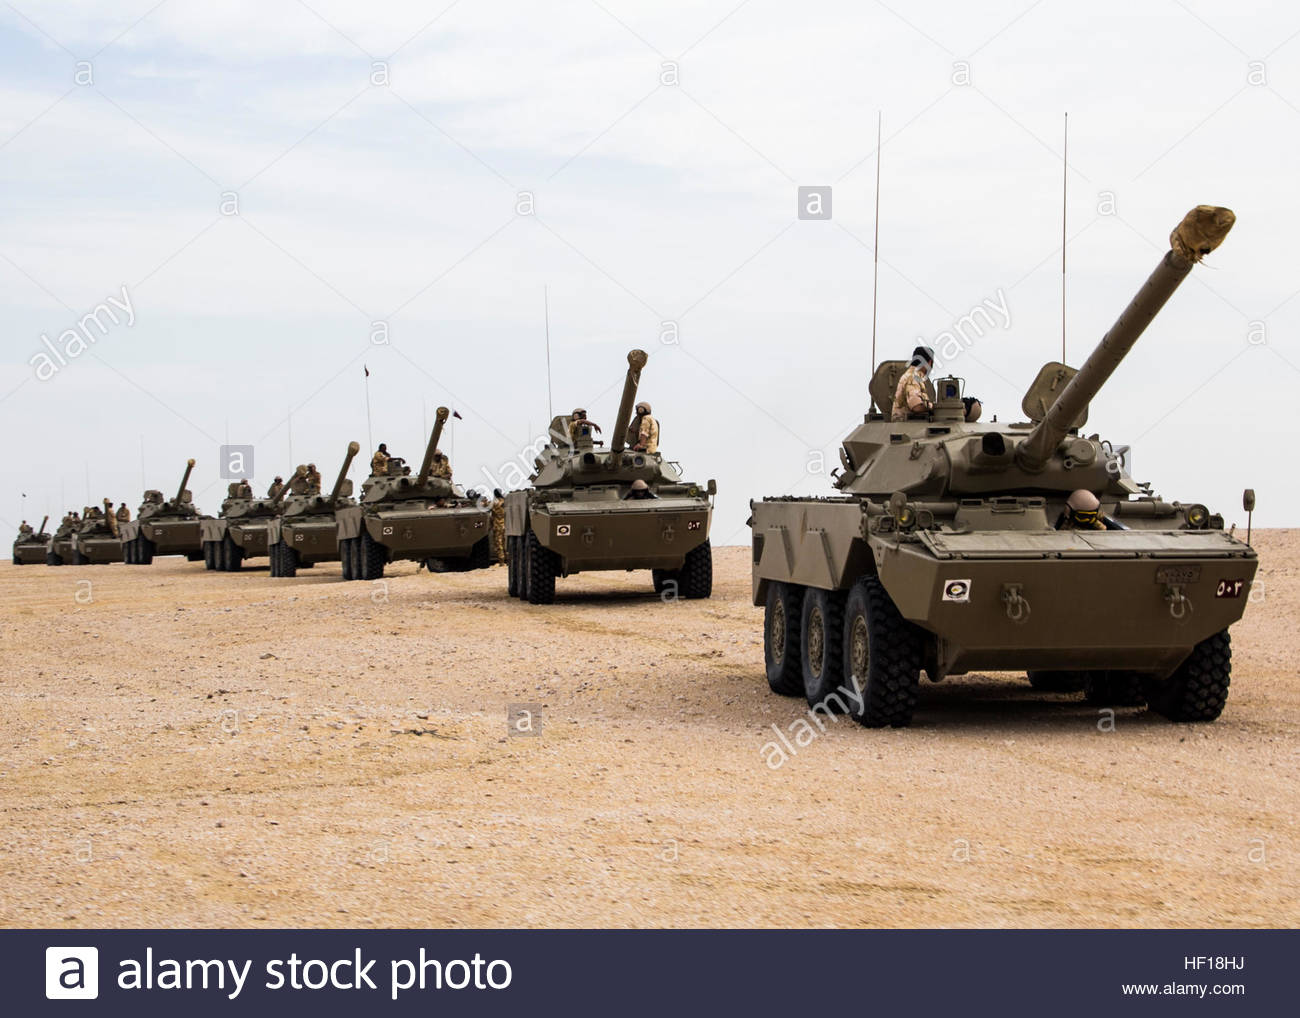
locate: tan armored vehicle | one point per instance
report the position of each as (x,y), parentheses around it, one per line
(163,526)
(96,541)
(307,531)
(425,518)
(242,529)
(60,551)
(591,509)
(31,549)
(954,546)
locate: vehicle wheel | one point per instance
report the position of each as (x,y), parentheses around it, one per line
(542,567)
(232,555)
(512,567)
(373,557)
(821,647)
(273,555)
(345,557)
(882,657)
(695,579)
(781,624)
(128,551)
(194,556)
(1114,689)
(660,578)
(78,559)
(210,554)
(355,549)
(144,552)
(1198,690)
(1058,681)
(52,559)
(289,564)
(480,556)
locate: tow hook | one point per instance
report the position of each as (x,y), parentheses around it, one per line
(1017,604)
(1180,605)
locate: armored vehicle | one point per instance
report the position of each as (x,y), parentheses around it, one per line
(61,551)
(163,526)
(952,546)
(241,531)
(307,531)
(96,541)
(32,549)
(425,518)
(590,508)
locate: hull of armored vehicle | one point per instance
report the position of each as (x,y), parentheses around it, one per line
(30,553)
(143,540)
(446,537)
(1136,600)
(97,549)
(300,542)
(61,551)
(227,543)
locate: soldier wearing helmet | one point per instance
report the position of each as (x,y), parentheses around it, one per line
(643,432)
(578,419)
(313,479)
(639,490)
(276,487)
(498,526)
(911,396)
(1082,512)
(379,461)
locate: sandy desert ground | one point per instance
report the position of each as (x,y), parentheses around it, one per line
(183,748)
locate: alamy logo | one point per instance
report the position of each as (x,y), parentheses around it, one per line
(72,973)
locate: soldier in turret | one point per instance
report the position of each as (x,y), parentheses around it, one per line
(25,528)
(911,397)
(108,515)
(639,490)
(123,514)
(276,487)
(245,490)
(577,420)
(498,526)
(298,483)
(643,432)
(379,461)
(1082,512)
(441,466)
(313,479)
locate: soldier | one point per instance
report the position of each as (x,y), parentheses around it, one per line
(973,408)
(911,397)
(123,514)
(441,467)
(1082,512)
(313,478)
(643,432)
(639,490)
(298,483)
(25,528)
(498,526)
(379,461)
(245,489)
(108,515)
(276,487)
(579,418)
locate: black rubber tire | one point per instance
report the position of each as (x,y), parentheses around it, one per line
(211,555)
(78,559)
(194,556)
(781,644)
(543,564)
(821,648)
(661,577)
(1058,681)
(232,555)
(1114,689)
(374,556)
(355,550)
(289,564)
(128,551)
(695,578)
(1198,690)
(52,559)
(145,550)
(345,558)
(480,556)
(879,642)
(512,567)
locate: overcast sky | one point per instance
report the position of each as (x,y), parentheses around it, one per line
(261,183)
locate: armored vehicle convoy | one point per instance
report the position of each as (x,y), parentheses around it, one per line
(425,518)
(952,546)
(590,508)
(307,531)
(96,541)
(241,531)
(163,526)
(32,547)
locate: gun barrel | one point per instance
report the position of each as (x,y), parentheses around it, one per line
(636,360)
(427,465)
(353,449)
(43,522)
(180,492)
(284,489)
(1200,232)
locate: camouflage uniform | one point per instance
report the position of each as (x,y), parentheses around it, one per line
(499,529)
(441,466)
(643,432)
(108,515)
(24,529)
(123,514)
(379,462)
(313,478)
(910,397)
(276,487)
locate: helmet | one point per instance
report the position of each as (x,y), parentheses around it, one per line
(311,466)
(278,477)
(1083,501)
(640,485)
(579,413)
(383,447)
(923,355)
(643,408)
(496,493)
(973,408)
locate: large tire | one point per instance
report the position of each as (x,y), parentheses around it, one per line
(52,559)
(781,625)
(1198,690)
(232,555)
(78,559)
(882,658)
(144,550)
(289,564)
(211,555)
(661,578)
(821,647)
(129,551)
(695,578)
(512,567)
(1114,689)
(543,564)
(373,557)
(345,557)
(1058,681)
(480,556)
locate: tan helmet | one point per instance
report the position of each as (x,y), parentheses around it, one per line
(1083,501)
(640,485)
(643,408)
(579,413)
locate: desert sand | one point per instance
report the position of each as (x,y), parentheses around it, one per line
(182,748)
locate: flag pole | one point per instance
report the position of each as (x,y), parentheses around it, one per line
(546,311)
(370,438)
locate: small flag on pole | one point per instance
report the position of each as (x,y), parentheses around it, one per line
(456,414)
(366,370)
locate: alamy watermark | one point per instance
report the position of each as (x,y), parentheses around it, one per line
(71,343)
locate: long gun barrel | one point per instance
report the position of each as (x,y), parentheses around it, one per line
(1200,232)
(43,522)
(353,449)
(180,492)
(635,362)
(427,465)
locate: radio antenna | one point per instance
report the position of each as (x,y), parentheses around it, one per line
(546,311)
(1065,184)
(875,244)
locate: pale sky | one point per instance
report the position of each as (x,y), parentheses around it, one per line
(374,157)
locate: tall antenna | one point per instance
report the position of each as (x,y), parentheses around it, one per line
(143,484)
(546,306)
(1065,183)
(290,421)
(370,438)
(875,244)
